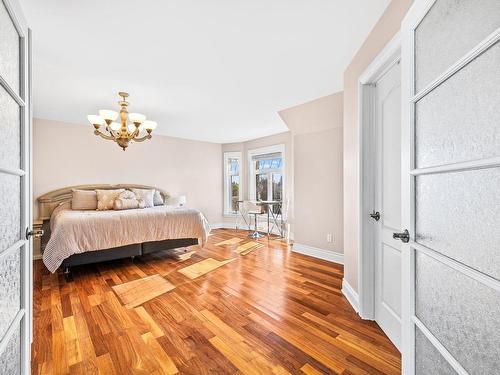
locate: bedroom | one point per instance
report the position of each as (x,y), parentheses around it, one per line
(249,187)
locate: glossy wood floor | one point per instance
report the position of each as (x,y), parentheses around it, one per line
(268,312)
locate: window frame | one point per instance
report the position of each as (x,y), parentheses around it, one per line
(227,184)
(279,148)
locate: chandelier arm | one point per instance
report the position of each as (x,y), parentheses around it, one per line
(142,139)
(105,136)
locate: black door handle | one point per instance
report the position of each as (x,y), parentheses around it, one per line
(403,236)
(375,215)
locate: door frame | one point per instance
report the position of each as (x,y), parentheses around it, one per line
(384,61)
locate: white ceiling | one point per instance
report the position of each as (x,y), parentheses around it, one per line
(215,70)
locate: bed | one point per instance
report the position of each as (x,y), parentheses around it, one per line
(74,237)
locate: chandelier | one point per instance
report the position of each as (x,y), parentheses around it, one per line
(129,128)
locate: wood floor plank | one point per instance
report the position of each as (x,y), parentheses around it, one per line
(272,311)
(201,268)
(136,292)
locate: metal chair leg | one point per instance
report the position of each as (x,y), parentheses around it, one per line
(255,233)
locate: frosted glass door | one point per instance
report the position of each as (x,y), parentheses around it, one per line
(451,165)
(15,250)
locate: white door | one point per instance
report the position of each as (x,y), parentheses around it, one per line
(15,202)
(451,185)
(388,203)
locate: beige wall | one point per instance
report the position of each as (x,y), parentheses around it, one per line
(382,33)
(316,129)
(68,154)
(244,147)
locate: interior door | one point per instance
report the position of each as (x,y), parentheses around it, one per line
(15,250)
(388,203)
(451,181)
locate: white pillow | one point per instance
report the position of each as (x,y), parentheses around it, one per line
(84,200)
(146,195)
(106,198)
(158,199)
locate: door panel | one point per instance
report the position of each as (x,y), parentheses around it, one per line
(449,31)
(9,50)
(10,359)
(457,215)
(15,200)
(461,313)
(391,271)
(10,210)
(428,360)
(453,124)
(451,177)
(10,115)
(10,286)
(388,203)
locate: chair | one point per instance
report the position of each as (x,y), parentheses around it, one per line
(254,209)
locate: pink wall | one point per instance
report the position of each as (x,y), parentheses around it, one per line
(69,154)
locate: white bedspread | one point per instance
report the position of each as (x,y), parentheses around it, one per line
(76,232)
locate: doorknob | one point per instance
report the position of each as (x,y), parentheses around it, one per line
(375,215)
(403,236)
(37,233)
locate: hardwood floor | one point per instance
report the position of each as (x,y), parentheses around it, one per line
(268,312)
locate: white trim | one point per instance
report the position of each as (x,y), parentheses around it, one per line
(227,188)
(381,64)
(223,226)
(15,246)
(458,167)
(440,347)
(410,22)
(261,151)
(384,61)
(13,171)
(316,252)
(37,256)
(350,294)
(485,44)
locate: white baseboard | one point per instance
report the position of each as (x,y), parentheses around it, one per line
(316,252)
(351,295)
(37,256)
(233,226)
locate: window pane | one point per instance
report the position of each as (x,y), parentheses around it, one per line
(261,187)
(277,191)
(277,186)
(234,166)
(235,192)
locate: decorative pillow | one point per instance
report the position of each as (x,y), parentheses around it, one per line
(106,198)
(125,204)
(146,195)
(127,194)
(127,200)
(158,199)
(84,200)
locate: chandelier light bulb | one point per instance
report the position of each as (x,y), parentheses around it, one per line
(115,126)
(136,117)
(107,114)
(95,120)
(149,125)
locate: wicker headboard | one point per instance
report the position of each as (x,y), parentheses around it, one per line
(49,201)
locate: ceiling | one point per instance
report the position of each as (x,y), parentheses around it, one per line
(215,70)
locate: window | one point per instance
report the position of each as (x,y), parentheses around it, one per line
(232,182)
(266,173)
